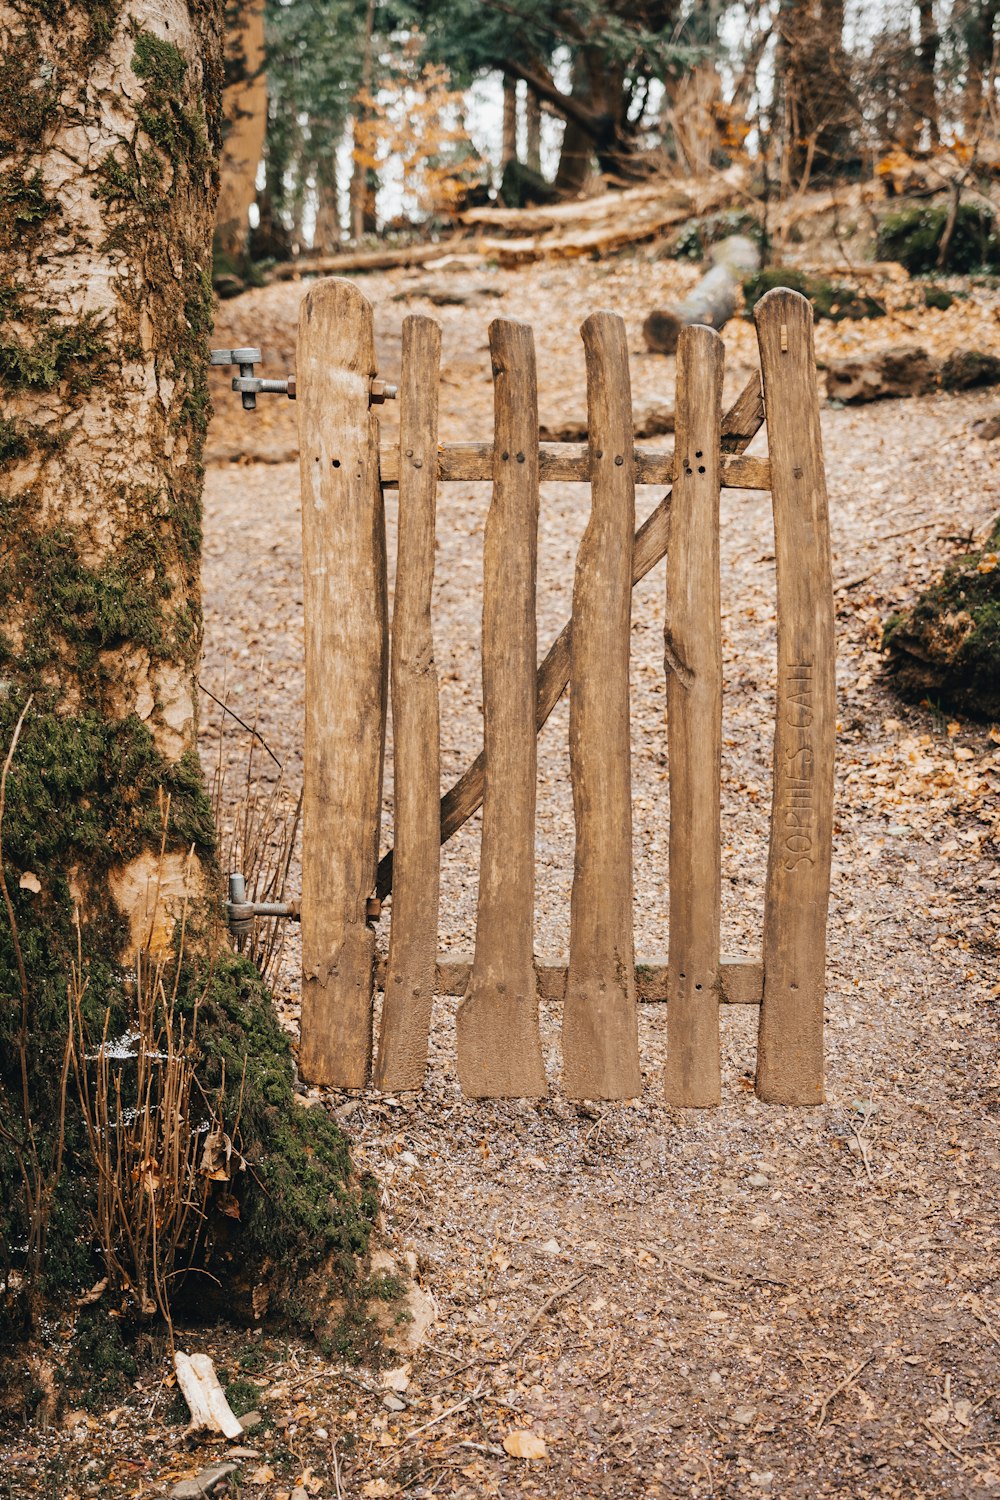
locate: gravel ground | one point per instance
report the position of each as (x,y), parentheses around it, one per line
(737,1302)
(751,1300)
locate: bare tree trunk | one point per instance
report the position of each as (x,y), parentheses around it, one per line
(533,112)
(362,194)
(508,149)
(244,108)
(327,236)
(924,88)
(979,26)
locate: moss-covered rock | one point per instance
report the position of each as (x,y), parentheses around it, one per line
(945,649)
(913,238)
(964,369)
(829,300)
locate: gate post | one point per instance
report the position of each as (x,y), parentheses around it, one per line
(790,1040)
(344,578)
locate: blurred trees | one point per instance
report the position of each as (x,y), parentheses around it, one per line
(803,90)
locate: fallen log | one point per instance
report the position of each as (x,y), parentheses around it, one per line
(712,302)
(906,370)
(365,260)
(655,421)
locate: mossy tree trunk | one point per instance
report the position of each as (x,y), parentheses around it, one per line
(110,127)
(110,124)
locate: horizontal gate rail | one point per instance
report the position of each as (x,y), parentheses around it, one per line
(741,980)
(573,463)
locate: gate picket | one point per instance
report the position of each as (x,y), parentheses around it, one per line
(410,967)
(693,653)
(343,565)
(790,1040)
(600,1022)
(499,1048)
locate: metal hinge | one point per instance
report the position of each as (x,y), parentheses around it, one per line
(246,382)
(241,912)
(251,386)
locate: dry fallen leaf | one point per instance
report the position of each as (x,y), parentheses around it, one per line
(396,1380)
(375,1488)
(263,1475)
(522,1444)
(30,882)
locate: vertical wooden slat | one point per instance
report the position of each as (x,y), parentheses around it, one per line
(693,653)
(600,1022)
(790,1040)
(410,971)
(343,558)
(499,1049)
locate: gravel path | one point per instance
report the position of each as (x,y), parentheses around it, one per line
(749,1300)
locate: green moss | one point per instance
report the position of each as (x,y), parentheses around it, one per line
(28,92)
(384,1287)
(242,1395)
(937,297)
(105,1363)
(158,63)
(913,237)
(75,610)
(828,299)
(304,1214)
(84,790)
(24,208)
(698,235)
(77,353)
(946,647)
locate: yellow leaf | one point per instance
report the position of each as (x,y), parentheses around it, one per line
(521,1444)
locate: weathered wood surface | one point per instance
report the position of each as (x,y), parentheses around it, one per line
(574,463)
(409,990)
(206,1400)
(739,427)
(790,1041)
(693,659)
(343,562)
(499,1047)
(713,301)
(600,1036)
(742,980)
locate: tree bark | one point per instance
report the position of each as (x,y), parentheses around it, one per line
(533,118)
(508,149)
(102,371)
(110,118)
(924,86)
(978,28)
(363,219)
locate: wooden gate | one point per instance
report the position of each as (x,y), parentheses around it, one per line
(350,666)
